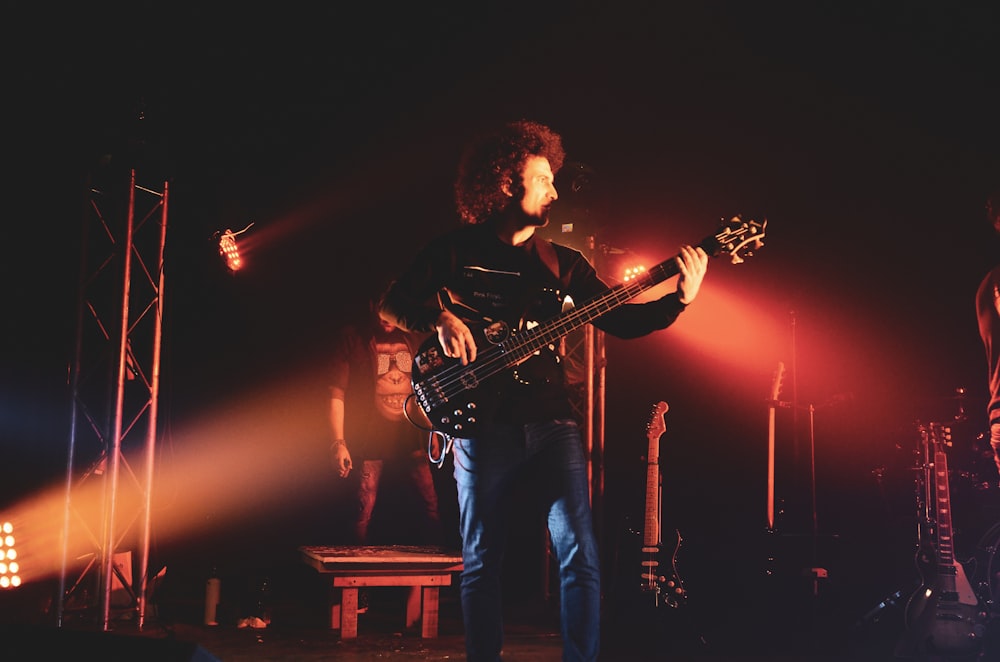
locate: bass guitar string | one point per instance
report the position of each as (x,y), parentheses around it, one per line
(497,358)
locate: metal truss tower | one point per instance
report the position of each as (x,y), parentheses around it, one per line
(585,363)
(115,389)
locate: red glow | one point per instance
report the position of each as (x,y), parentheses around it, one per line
(729,330)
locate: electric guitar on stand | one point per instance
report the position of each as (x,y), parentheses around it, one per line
(779,377)
(666,588)
(944,616)
(652,613)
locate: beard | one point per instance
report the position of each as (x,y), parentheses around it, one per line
(540,220)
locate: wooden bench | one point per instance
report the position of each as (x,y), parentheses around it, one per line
(423,569)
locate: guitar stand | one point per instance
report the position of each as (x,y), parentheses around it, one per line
(773,404)
(814,572)
(877,614)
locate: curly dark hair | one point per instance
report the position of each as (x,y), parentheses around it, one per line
(497,157)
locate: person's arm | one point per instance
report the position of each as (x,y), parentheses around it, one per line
(340,456)
(988,315)
(634,320)
(411,301)
(995,443)
(994,418)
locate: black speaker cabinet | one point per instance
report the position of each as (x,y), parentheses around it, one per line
(31,642)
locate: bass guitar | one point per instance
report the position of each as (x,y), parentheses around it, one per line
(944,615)
(457,398)
(666,588)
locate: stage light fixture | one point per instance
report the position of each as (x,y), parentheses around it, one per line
(9,566)
(229,250)
(632,273)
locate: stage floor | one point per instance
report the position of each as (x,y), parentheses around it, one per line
(299,631)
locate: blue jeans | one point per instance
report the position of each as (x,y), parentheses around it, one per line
(485,470)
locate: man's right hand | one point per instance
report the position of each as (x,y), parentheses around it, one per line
(455,337)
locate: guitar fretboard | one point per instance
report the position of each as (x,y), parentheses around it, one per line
(939,436)
(942,498)
(654,429)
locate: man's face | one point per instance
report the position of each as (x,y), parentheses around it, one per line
(539,190)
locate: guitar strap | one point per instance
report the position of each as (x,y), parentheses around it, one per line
(545,252)
(548,256)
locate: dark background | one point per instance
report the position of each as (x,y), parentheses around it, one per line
(865,133)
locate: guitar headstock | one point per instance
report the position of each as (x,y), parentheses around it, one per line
(779,378)
(656,425)
(934,438)
(939,436)
(739,238)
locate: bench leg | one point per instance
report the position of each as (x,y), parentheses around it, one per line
(422,602)
(429,628)
(344,614)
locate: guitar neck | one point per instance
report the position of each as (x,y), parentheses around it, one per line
(654,429)
(651,531)
(942,500)
(528,342)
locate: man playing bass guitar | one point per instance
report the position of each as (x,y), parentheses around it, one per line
(477,288)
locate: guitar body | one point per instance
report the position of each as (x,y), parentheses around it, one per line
(945,615)
(640,616)
(478,387)
(659,578)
